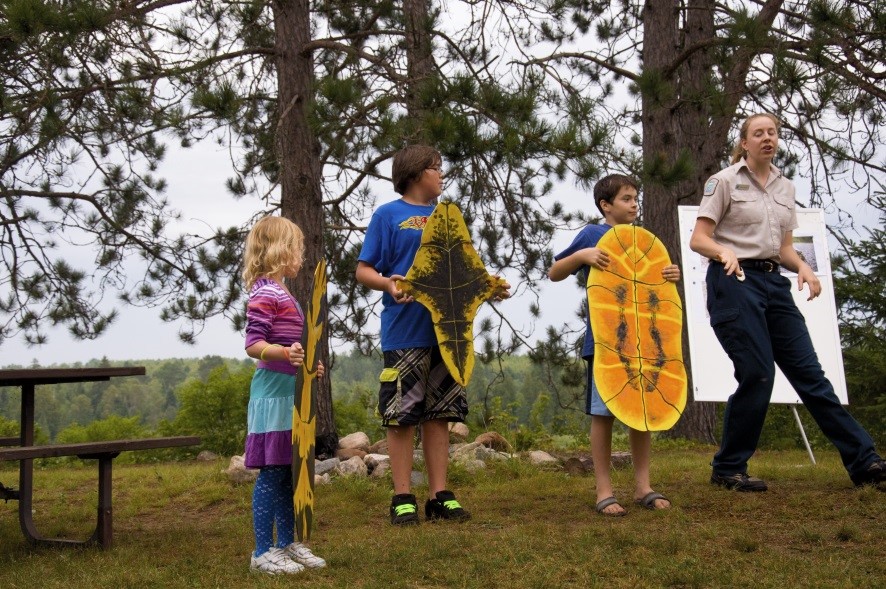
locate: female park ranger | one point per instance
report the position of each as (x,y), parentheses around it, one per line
(745,226)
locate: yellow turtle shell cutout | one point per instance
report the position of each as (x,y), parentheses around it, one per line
(449,278)
(637,320)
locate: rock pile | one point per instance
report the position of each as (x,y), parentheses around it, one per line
(358,457)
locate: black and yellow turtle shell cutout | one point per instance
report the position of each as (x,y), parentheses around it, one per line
(449,279)
(304,414)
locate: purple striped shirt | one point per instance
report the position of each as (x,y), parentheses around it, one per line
(273,315)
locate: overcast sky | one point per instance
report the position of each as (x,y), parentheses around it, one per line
(196,186)
(196,180)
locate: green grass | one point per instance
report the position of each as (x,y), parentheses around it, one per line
(185,525)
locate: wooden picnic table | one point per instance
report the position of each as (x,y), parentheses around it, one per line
(24,450)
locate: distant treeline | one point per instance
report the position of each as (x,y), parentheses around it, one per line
(151,398)
(530,404)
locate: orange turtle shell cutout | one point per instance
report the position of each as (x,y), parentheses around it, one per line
(637,320)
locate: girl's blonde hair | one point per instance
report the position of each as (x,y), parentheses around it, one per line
(737,151)
(274,246)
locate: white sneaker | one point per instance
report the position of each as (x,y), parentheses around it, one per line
(303,555)
(275,562)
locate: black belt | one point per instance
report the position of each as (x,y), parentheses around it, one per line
(761,265)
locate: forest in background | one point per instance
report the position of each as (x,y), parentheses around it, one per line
(525,100)
(533,406)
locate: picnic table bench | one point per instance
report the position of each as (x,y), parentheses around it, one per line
(24,450)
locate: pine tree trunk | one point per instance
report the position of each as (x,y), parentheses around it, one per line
(681,117)
(693,116)
(298,152)
(419,64)
(668,129)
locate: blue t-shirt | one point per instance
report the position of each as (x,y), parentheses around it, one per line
(587,237)
(392,238)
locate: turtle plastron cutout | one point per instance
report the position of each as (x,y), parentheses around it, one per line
(304,414)
(637,320)
(448,277)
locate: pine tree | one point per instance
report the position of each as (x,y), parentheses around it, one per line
(694,68)
(858,285)
(311,98)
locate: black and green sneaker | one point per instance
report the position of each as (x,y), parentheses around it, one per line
(404,510)
(445,506)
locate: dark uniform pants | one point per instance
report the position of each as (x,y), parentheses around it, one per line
(759,325)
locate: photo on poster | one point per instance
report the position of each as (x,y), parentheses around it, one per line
(806,248)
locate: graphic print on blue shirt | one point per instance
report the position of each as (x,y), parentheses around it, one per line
(392,238)
(587,237)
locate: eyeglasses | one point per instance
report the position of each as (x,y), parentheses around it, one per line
(438,169)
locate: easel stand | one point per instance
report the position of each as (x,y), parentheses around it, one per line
(803,433)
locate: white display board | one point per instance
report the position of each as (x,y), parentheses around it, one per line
(712,371)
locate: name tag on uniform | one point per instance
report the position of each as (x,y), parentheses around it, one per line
(742,186)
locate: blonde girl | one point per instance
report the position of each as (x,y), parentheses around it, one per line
(274,322)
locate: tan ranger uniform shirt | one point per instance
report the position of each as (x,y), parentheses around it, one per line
(751,219)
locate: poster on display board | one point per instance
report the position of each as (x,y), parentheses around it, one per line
(712,371)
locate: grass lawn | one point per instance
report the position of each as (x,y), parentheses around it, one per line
(185,525)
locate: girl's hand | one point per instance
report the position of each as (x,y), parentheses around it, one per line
(399,296)
(296,355)
(671,273)
(321,370)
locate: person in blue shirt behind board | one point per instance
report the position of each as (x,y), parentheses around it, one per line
(617,198)
(416,387)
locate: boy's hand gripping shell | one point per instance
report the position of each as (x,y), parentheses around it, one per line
(637,319)
(449,279)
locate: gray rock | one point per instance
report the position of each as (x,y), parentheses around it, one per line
(352,467)
(484,453)
(324,466)
(418,457)
(380,470)
(357,440)
(458,432)
(539,458)
(238,473)
(373,460)
(466,452)
(207,456)
(473,465)
(488,454)
(321,479)
(416,478)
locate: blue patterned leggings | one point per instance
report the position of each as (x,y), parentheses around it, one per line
(272,502)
